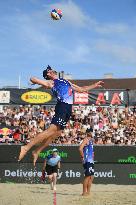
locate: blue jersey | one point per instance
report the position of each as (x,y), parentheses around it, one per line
(53,160)
(88,151)
(62,90)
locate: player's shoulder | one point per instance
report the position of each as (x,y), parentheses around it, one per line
(58,157)
(84,141)
(50,83)
(64,80)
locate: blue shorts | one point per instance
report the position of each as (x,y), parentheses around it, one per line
(62,115)
(88,169)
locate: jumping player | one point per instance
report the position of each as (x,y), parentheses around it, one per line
(87,156)
(63,90)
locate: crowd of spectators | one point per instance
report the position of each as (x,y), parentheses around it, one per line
(111,125)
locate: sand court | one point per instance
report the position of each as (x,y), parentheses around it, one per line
(40,194)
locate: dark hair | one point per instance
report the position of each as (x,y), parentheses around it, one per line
(45,72)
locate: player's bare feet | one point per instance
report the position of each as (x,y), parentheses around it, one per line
(22,153)
(85,194)
(51,185)
(35,157)
(54,188)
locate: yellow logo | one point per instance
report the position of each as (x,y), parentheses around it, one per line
(36,97)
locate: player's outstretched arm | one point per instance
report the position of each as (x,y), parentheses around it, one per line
(77,88)
(46,84)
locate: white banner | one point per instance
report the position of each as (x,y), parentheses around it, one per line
(80,98)
(4,96)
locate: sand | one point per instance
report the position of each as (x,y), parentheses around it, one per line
(40,194)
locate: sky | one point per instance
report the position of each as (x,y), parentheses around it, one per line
(93,37)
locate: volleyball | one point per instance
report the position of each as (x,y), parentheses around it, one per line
(56,14)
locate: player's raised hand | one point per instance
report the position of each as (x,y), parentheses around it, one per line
(99,84)
(33,80)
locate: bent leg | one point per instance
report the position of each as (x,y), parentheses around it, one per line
(47,141)
(44,144)
(38,139)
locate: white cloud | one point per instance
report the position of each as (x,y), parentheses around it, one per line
(111,28)
(39,33)
(29,27)
(74,15)
(80,54)
(122,53)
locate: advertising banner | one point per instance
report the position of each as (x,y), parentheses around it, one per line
(30,96)
(108,97)
(36,97)
(44,96)
(4,96)
(132,97)
(81,98)
(69,173)
(70,154)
